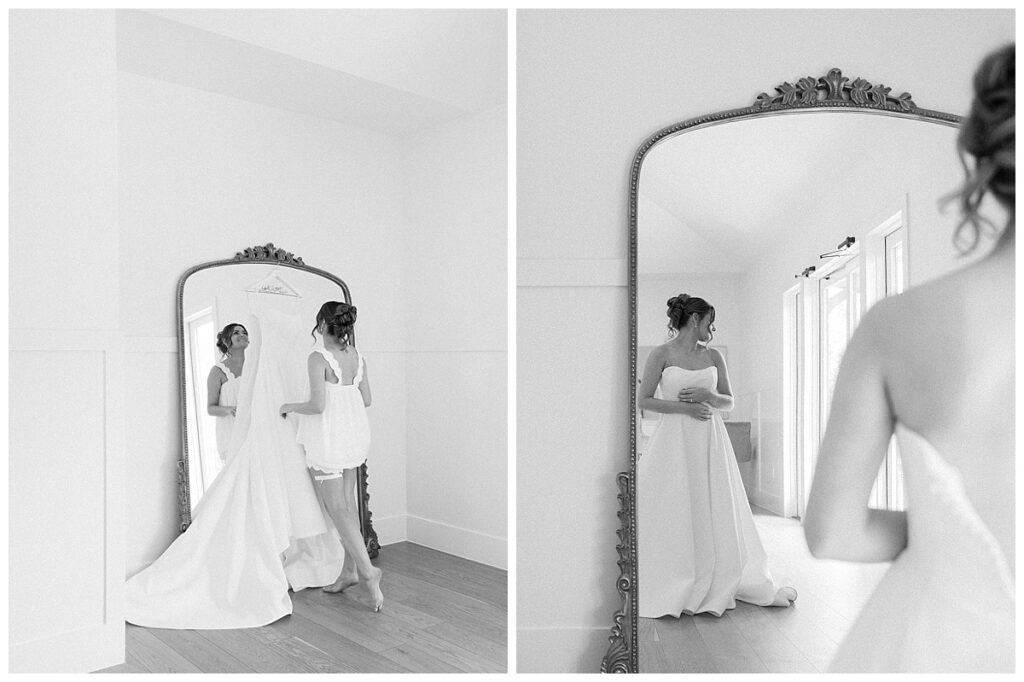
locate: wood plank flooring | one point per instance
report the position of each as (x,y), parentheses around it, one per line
(442,614)
(748,639)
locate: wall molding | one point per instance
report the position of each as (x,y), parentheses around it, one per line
(390,529)
(78,651)
(571,272)
(99,645)
(169,344)
(468,544)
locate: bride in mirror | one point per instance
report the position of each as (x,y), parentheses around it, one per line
(935,367)
(335,434)
(223,382)
(700,548)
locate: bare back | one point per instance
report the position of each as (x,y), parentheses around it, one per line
(949,374)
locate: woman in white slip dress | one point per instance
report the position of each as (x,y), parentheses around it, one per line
(934,366)
(698,548)
(335,433)
(259,529)
(224,380)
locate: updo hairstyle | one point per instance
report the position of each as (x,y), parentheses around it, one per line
(682,306)
(224,336)
(338,319)
(988,136)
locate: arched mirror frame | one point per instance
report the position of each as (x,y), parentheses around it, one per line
(269,254)
(831,92)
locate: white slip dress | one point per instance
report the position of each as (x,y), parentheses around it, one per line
(698,550)
(228,398)
(339,437)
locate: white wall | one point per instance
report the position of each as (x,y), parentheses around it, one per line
(456,335)
(66,526)
(204,176)
(415,225)
(592,86)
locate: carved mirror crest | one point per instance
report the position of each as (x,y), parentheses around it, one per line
(816,99)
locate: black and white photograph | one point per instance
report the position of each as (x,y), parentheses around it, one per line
(512,339)
(258,341)
(765,309)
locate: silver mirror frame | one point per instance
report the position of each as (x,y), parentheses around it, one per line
(831,92)
(257,254)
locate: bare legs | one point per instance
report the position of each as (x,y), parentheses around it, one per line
(339,496)
(347,578)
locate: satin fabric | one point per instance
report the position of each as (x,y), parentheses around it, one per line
(698,548)
(259,529)
(947,602)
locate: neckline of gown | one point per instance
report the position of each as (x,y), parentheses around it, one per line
(668,367)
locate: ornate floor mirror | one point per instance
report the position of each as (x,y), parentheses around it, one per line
(791,216)
(213,295)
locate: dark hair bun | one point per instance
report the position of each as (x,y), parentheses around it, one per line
(678,301)
(344,318)
(682,306)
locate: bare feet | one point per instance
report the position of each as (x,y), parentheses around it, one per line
(343,582)
(785,596)
(373,586)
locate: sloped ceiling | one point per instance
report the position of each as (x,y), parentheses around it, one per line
(716,199)
(394,71)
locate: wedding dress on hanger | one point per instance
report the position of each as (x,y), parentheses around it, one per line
(260,528)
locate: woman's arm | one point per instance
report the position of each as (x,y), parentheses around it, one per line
(317,369)
(838,523)
(645,396)
(364,385)
(213,383)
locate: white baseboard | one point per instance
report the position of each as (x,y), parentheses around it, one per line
(561,649)
(78,651)
(463,542)
(390,529)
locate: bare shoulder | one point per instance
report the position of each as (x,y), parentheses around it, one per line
(217,373)
(657,358)
(315,359)
(716,356)
(660,352)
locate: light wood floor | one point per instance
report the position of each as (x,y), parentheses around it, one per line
(749,639)
(442,614)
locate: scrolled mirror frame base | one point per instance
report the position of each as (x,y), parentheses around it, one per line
(832,91)
(621,656)
(366,516)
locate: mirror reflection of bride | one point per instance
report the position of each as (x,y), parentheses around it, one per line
(699,548)
(260,528)
(223,381)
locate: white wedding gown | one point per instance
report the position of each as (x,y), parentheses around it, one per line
(259,529)
(947,602)
(698,550)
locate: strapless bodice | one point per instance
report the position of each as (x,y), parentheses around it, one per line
(674,379)
(943,526)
